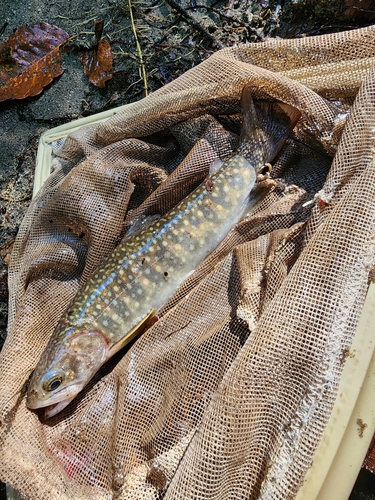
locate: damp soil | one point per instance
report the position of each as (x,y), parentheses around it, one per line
(173,36)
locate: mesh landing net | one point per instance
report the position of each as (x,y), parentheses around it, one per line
(228,394)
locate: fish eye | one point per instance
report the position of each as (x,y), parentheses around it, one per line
(52,381)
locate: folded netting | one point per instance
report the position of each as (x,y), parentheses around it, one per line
(227,395)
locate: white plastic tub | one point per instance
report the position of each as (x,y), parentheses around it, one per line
(348,434)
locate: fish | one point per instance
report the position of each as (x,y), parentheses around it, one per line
(122,296)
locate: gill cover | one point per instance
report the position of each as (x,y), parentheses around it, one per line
(73,365)
(59,377)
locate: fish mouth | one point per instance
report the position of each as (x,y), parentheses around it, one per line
(54,409)
(55,403)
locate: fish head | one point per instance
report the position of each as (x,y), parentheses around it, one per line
(64,370)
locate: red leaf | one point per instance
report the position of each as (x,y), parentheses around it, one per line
(98,63)
(30,60)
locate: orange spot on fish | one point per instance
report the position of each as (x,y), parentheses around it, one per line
(209,184)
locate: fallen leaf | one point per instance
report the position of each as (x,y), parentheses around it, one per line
(30,60)
(98,62)
(6,250)
(98,26)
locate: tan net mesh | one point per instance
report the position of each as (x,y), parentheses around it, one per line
(228,394)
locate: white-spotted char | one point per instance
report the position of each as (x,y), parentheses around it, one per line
(148,267)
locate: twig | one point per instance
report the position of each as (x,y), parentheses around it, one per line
(3,28)
(169,46)
(196,25)
(7,244)
(15,200)
(139,50)
(178,329)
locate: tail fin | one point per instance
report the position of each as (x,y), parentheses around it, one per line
(266,124)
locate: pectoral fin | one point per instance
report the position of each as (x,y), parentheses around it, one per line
(134,332)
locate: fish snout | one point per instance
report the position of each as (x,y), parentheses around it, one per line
(34,398)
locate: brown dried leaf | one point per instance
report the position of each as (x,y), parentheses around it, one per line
(6,250)
(30,60)
(98,63)
(98,26)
